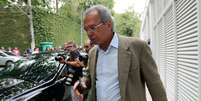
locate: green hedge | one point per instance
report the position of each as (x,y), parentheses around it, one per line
(14,30)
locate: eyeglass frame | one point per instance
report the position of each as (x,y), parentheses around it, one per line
(94,28)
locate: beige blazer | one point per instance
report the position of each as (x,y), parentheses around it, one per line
(136,68)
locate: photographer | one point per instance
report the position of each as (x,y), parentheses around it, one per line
(74,55)
(75,63)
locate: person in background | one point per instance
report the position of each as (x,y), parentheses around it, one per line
(2,48)
(16,51)
(87,46)
(9,49)
(36,51)
(70,47)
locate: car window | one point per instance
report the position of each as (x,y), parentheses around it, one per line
(9,53)
(1,54)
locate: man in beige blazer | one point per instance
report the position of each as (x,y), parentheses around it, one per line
(135,66)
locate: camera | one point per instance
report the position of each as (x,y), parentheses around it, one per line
(73,73)
(85,83)
(60,56)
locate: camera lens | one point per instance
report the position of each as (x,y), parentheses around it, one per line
(69,79)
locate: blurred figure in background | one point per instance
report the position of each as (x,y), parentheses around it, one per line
(16,51)
(88,45)
(2,48)
(9,49)
(36,51)
(73,61)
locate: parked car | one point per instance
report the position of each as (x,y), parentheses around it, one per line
(8,59)
(36,79)
(39,78)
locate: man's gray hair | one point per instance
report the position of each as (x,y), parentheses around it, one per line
(103,12)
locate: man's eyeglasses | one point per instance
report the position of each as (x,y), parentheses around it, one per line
(93,28)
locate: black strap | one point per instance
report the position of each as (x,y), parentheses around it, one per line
(96,63)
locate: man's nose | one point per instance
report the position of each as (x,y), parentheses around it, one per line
(90,33)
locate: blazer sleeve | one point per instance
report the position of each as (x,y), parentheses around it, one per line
(150,74)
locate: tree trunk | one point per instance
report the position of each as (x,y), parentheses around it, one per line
(30,16)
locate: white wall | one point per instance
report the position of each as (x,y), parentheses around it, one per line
(174,28)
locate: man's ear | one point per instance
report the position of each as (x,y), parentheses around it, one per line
(109,25)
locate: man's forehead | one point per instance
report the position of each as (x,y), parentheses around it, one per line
(93,15)
(69,44)
(93,12)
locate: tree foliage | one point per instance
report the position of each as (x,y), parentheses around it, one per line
(14,29)
(3,2)
(64,24)
(128,23)
(59,26)
(41,30)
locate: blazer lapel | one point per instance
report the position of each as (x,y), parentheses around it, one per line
(93,72)
(124,60)
(93,64)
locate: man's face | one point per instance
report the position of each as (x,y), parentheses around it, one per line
(69,47)
(97,31)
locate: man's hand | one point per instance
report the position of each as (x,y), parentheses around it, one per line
(76,92)
(62,61)
(76,63)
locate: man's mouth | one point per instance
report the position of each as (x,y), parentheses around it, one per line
(93,40)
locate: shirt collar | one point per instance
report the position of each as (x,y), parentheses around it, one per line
(115,41)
